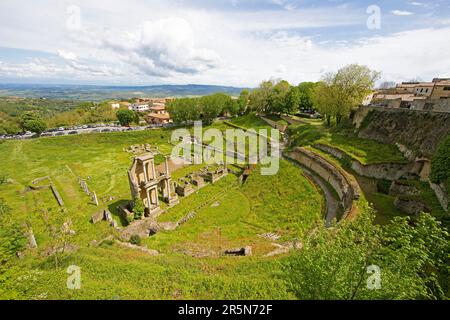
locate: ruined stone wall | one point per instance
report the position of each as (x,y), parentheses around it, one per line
(346,190)
(274,124)
(389,171)
(419,131)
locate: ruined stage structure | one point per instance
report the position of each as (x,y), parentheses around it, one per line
(146,183)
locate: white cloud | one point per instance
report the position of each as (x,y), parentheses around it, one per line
(159,43)
(67,55)
(401,13)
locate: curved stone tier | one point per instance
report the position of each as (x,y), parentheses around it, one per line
(343,183)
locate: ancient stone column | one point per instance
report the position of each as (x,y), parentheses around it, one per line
(31,239)
(94,198)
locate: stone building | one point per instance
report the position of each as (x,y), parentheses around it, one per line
(146,183)
(215,175)
(184,188)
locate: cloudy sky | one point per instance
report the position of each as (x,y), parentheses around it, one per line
(226,42)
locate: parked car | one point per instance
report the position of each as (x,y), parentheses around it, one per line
(73,132)
(61,129)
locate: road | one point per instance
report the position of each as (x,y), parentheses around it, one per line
(85,131)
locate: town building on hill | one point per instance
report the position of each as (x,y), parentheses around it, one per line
(139,107)
(158,118)
(441,89)
(413,95)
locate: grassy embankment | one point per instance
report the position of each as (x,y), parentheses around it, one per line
(366,152)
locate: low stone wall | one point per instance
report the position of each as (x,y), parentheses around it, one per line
(441,194)
(57,195)
(274,124)
(389,171)
(292,121)
(346,189)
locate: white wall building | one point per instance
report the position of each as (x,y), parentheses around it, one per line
(139,107)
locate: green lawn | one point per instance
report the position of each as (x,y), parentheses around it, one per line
(228,215)
(277,119)
(364,150)
(251,121)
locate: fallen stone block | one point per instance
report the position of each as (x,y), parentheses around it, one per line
(97,217)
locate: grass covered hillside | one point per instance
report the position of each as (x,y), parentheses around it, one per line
(365,151)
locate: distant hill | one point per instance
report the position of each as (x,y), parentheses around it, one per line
(98,93)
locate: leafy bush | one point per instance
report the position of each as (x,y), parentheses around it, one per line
(138,209)
(125,117)
(31,121)
(12,239)
(440,163)
(136,240)
(410,252)
(383,186)
(3,179)
(346,161)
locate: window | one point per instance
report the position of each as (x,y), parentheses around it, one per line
(446,88)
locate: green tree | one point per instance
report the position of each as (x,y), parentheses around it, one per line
(278,98)
(31,121)
(212,106)
(324,100)
(243,101)
(343,91)
(306,90)
(293,99)
(125,117)
(261,98)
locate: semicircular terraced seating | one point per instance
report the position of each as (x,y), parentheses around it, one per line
(345,185)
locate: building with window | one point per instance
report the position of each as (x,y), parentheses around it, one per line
(137,107)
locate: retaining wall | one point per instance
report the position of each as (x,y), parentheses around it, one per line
(346,188)
(389,171)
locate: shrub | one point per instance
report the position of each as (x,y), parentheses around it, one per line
(346,161)
(138,208)
(440,163)
(383,186)
(3,179)
(125,117)
(136,240)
